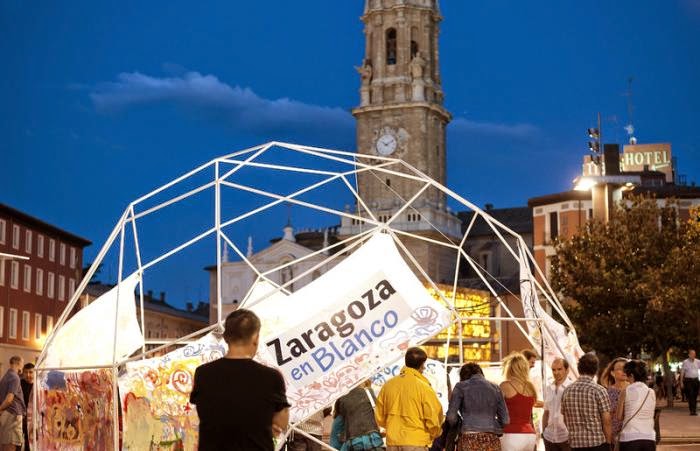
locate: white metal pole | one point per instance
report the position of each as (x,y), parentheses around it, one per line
(115,402)
(217,226)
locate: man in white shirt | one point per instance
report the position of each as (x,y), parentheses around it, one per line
(689,380)
(556,436)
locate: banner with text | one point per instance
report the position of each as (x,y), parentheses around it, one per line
(346,325)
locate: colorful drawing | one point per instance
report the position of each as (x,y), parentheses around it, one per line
(75,411)
(155,396)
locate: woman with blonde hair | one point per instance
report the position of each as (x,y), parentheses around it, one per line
(520,395)
(615,382)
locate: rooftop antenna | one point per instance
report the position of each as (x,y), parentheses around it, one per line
(630,108)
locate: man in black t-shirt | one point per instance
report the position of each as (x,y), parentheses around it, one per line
(240,402)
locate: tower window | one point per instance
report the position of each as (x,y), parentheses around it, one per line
(391,46)
(414,49)
(388,182)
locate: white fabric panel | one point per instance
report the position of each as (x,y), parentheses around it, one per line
(87,339)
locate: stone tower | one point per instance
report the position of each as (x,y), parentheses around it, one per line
(401,115)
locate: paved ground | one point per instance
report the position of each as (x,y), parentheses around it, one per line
(679,431)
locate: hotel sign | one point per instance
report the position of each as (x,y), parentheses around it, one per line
(657,157)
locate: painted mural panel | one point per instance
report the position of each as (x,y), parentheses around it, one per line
(75,411)
(155,398)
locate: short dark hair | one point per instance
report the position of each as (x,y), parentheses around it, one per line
(28,366)
(563,362)
(15,359)
(415,358)
(637,369)
(529,354)
(468,370)
(588,364)
(241,326)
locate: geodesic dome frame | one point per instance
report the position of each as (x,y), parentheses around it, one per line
(349,166)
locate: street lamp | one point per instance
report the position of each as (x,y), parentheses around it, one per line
(595,145)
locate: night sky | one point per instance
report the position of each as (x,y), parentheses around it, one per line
(104,102)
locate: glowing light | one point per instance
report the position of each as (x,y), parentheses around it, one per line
(584,184)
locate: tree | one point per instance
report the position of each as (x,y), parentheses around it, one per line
(633,282)
(95,277)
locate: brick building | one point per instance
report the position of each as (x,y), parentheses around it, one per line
(561,215)
(40,267)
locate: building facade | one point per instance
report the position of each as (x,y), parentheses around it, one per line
(401,115)
(40,268)
(238,277)
(645,169)
(502,271)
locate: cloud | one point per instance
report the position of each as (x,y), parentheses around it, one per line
(242,109)
(462,127)
(692,6)
(239,108)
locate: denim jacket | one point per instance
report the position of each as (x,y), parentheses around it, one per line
(481,404)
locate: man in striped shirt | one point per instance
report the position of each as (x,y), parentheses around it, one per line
(586,409)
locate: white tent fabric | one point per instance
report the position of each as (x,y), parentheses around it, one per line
(335,332)
(346,325)
(87,339)
(557,341)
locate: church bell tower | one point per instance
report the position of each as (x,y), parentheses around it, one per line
(401,115)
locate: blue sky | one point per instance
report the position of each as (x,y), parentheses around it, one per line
(104,102)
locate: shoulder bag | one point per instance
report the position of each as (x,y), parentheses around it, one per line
(616,446)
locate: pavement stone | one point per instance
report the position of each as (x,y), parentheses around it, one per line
(679,430)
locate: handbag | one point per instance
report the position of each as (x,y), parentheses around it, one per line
(616,446)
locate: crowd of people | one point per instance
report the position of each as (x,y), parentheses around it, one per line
(15,389)
(589,412)
(242,405)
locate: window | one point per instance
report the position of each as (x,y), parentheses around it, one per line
(2,272)
(72,257)
(15,236)
(13,323)
(14,275)
(2,321)
(485,261)
(61,288)
(391,46)
(37,326)
(590,213)
(553,225)
(39,284)
(3,230)
(414,49)
(62,256)
(40,246)
(49,324)
(52,250)
(27,284)
(28,241)
(71,287)
(25,325)
(50,285)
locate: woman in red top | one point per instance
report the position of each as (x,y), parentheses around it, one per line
(520,395)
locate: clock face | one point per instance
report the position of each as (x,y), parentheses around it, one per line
(386,144)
